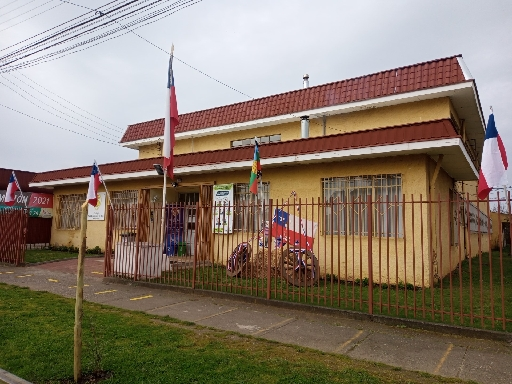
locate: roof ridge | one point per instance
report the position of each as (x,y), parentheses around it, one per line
(303,89)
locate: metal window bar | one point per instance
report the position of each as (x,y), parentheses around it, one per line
(348,196)
(246,213)
(68,211)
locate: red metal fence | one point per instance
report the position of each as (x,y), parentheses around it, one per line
(39,231)
(430,259)
(13,229)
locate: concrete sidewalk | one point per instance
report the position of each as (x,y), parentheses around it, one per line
(485,358)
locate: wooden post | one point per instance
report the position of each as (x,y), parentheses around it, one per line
(77,369)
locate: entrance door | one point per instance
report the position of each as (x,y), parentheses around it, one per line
(189,199)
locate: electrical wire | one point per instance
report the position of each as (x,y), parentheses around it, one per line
(31,17)
(51,29)
(21,14)
(168,53)
(51,113)
(57,126)
(3,6)
(21,6)
(62,105)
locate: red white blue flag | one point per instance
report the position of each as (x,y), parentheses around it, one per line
(94,183)
(12,187)
(493,170)
(297,232)
(171,121)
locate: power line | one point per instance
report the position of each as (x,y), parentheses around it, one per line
(21,14)
(163,50)
(3,6)
(51,29)
(51,113)
(65,129)
(23,52)
(21,6)
(31,17)
(74,105)
(62,105)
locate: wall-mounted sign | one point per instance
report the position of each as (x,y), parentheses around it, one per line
(38,204)
(97,213)
(222,208)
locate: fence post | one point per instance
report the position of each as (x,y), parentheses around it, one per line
(269,245)
(370,254)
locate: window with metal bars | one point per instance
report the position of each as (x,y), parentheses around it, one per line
(68,210)
(346,208)
(248,212)
(125,208)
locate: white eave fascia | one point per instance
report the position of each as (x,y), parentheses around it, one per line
(400,98)
(384,150)
(465,70)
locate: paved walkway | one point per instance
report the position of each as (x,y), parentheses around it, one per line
(483,359)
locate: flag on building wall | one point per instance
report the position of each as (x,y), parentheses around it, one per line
(171,120)
(493,170)
(256,170)
(94,183)
(12,187)
(296,232)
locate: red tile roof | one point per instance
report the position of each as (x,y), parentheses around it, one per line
(404,79)
(434,130)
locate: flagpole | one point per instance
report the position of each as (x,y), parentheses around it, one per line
(104,185)
(164,198)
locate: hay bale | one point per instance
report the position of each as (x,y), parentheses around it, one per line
(259,262)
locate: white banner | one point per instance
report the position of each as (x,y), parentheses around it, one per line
(223,208)
(97,213)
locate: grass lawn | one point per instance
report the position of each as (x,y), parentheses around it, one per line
(36,343)
(42,255)
(461,298)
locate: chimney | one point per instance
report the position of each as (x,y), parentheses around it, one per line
(304,127)
(305,83)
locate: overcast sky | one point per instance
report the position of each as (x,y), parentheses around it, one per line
(258,47)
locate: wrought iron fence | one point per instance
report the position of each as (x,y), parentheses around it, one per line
(431,259)
(13,230)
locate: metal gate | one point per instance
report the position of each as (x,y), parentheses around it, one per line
(13,230)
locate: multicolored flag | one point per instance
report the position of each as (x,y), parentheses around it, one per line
(297,232)
(256,170)
(493,170)
(12,187)
(94,183)
(171,120)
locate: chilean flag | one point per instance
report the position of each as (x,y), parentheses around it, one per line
(297,232)
(94,183)
(171,120)
(11,190)
(493,170)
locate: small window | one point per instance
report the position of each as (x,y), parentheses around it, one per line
(261,140)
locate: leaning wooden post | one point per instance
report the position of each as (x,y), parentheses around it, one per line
(80,295)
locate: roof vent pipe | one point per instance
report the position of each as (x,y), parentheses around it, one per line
(304,127)
(305,82)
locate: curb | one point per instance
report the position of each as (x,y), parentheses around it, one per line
(447,329)
(9,378)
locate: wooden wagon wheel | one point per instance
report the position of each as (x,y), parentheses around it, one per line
(300,268)
(238,259)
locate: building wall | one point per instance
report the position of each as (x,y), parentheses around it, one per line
(421,111)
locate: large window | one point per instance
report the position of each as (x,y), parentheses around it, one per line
(248,215)
(125,208)
(346,210)
(68,210)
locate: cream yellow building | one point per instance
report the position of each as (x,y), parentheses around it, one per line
(407,138)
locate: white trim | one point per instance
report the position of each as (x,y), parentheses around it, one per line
(465,70)
(401,98)
(377,151)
